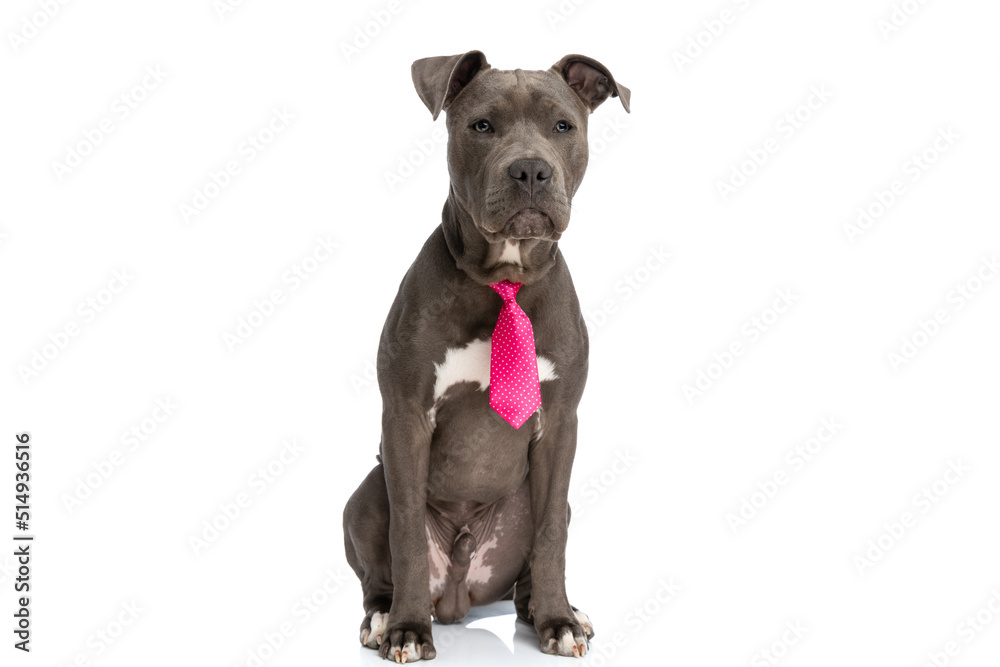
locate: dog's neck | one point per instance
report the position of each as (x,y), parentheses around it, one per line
(521,261)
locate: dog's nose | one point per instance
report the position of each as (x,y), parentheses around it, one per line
(531,174)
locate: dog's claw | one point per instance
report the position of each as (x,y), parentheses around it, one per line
(584,621)
(565,639)
(374,631)
(403,646)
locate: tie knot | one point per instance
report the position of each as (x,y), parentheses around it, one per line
(506,289)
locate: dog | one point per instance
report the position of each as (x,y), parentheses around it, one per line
(469,501)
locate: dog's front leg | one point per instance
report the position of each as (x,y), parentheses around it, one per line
(549,458)
(406,438)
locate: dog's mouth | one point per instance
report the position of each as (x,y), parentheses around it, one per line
(528,223)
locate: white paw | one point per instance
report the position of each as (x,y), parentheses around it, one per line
(570,646)
(373,638)
(409,653)
(584,621)
(563,641)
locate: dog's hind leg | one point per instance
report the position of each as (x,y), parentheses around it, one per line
(366,542)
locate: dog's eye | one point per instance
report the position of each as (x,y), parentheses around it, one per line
(482,126)
(563,126)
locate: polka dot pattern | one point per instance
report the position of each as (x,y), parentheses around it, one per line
(515,392)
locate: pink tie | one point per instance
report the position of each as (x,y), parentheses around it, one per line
(514,389)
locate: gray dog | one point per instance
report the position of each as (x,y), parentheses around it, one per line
(465,509)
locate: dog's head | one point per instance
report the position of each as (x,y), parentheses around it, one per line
(517,140)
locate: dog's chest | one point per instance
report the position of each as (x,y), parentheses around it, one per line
(471,363)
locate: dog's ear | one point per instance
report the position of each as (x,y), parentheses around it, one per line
(591,80)
(438,80)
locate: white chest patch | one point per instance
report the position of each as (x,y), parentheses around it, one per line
(472,364)
(511,253)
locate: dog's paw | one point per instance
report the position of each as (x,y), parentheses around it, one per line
(584,621)
(407,642)
(373,629)
(565,637)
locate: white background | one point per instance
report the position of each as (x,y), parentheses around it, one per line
(657,516)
